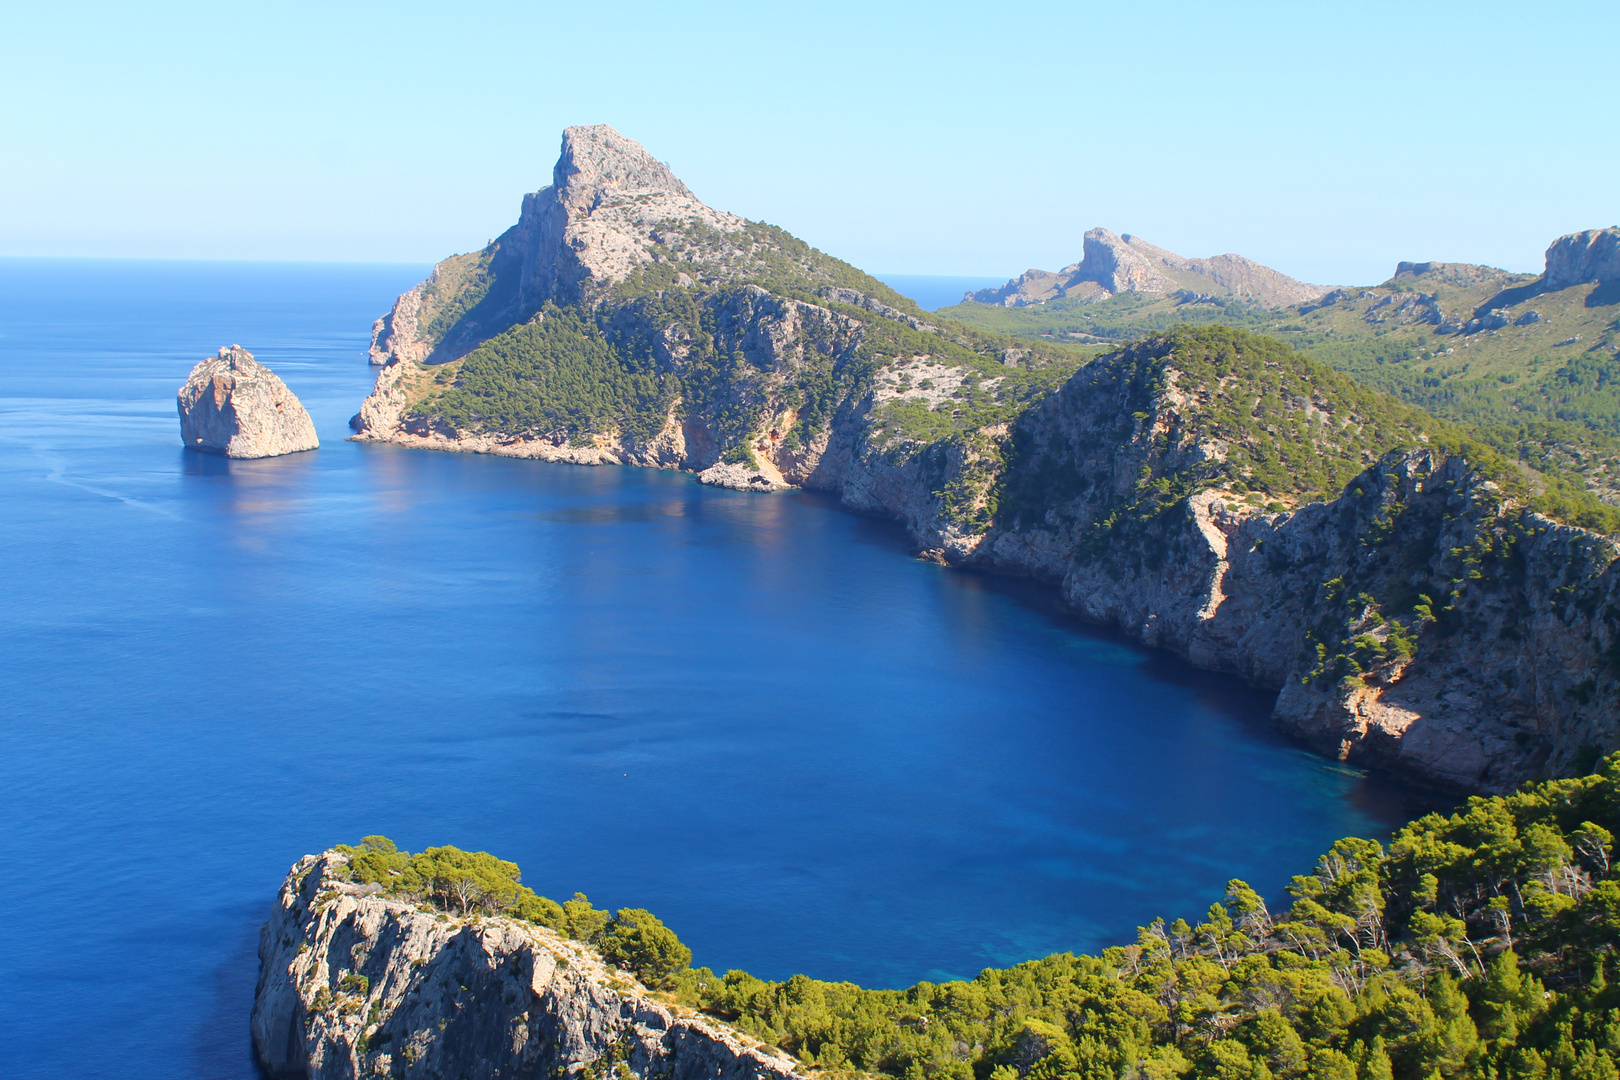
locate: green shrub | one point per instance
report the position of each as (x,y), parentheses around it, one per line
(638,941)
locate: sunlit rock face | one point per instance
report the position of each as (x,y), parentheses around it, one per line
(233,405)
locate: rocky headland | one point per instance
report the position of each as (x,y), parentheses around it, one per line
(1415,598)
(233,405)
(355,982)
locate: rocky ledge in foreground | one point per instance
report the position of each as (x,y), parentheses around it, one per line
(355,983)
(233,405)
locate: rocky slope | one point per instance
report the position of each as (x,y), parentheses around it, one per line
(354,983)
(1128,264)
(643,327)
(1423,621)
(233,405)
(1190,489)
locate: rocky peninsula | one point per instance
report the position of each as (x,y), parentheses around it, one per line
(354,982)
(1420,604)
(233,405)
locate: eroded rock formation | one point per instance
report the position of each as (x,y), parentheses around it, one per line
(233,405)
(1111,265)
(1583,258)
(353,983)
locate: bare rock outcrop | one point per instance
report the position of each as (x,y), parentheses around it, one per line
(353,983)
(610,210)
(1583,258)
(233,405)
(1111,265)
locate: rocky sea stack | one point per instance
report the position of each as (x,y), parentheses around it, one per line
(353,982)
(233,405)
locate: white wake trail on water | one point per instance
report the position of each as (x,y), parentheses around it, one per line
(32,422)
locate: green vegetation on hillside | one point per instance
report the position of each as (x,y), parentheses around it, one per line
(585,369)
(1523,384)
(556,373)
(471,883)
(761,254)
(1290,429)
(1480,944)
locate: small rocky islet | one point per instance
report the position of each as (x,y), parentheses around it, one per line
(1422,602)
(233,405)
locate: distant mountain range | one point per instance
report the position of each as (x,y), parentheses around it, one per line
(1111,265)
(1527,359)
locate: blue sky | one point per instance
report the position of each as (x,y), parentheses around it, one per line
(1327,140)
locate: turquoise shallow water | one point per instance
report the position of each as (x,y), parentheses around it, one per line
(756,715)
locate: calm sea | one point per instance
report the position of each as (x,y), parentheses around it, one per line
(756,715)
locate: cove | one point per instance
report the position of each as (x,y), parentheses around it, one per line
(756,715)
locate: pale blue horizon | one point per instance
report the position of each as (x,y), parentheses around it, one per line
(929,139)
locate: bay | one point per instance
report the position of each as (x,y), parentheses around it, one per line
(756,715)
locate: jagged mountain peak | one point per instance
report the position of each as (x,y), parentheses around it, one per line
(596,160)
(1112,264)
(614,221)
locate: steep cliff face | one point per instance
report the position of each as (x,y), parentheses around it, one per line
(1421,621)
(353,983)
(1590,257)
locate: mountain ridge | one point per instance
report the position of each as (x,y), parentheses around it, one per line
(1111,265)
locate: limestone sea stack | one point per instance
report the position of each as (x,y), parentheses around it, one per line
(233,405)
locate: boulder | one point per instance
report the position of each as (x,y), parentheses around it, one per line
(233,405)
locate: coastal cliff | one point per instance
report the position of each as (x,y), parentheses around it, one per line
(1210,492)
(354,982)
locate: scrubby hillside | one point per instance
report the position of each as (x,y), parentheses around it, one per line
(1524,361)
(622,320)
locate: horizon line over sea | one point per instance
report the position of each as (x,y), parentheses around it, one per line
(930,291)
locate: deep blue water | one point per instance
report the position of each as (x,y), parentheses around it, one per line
(756,715)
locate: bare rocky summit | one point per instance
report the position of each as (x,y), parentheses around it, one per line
(354,984)
(611,209)
(1111,265)
(1583,258)
(233,405)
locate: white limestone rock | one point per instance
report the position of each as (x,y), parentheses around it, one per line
(233,405)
